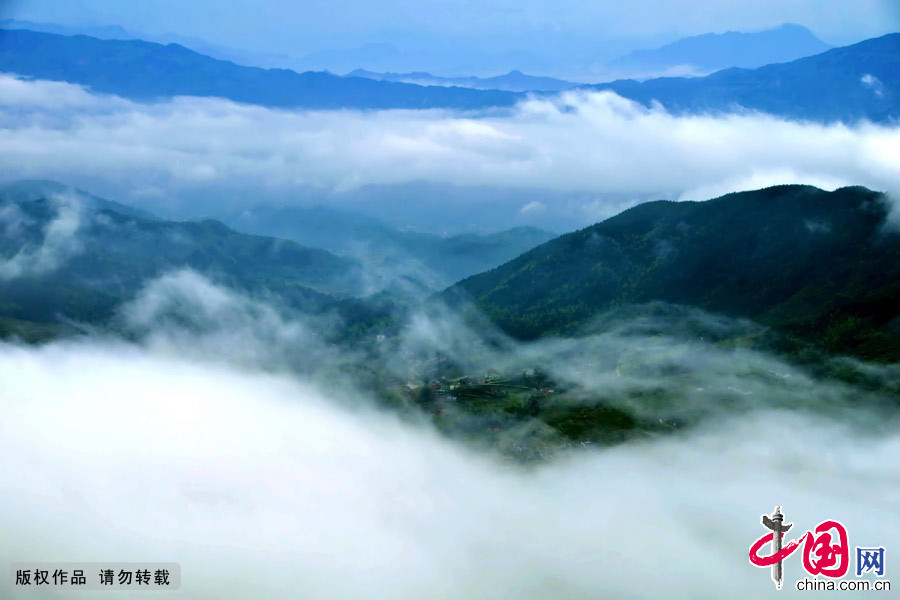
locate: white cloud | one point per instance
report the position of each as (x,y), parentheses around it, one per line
(873,83)
(533,207)
(201,443)
(755,180)
(60,241)
(185,312)
(259,486)
(590,142)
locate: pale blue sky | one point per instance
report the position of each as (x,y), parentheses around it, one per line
(522,30)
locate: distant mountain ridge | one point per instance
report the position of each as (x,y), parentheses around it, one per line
(710,52)
(116,32)
(145,71)
(514,81)
(103,32)
(438,260)
(824,266)
(848,84)
(852,83)
(31,190)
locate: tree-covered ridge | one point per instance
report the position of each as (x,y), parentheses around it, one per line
(73,257)
(824,266)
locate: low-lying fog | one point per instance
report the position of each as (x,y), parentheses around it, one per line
(216,445)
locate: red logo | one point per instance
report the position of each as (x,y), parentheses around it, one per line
(826,550)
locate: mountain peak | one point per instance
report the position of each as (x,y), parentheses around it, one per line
(792,27)
(715,51)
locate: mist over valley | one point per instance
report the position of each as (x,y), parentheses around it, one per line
(362,316)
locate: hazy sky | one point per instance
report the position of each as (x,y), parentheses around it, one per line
(485,26)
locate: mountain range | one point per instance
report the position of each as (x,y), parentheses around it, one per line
(710,52)
(690,56)
(116,32)
(514,81)
(822,266)
(843,84)
(434,260)
(852,83)
(143,71)
(67,255)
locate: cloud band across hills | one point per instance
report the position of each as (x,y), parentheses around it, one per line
(593,142)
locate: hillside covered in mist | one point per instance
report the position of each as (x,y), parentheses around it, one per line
(437,328)
(70,257)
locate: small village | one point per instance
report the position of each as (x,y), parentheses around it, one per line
(524,415)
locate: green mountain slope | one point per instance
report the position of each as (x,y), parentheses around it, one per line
(72,256)
(824,266)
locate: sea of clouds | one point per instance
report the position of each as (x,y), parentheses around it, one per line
(209,444)
(204,436)
(598,143)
